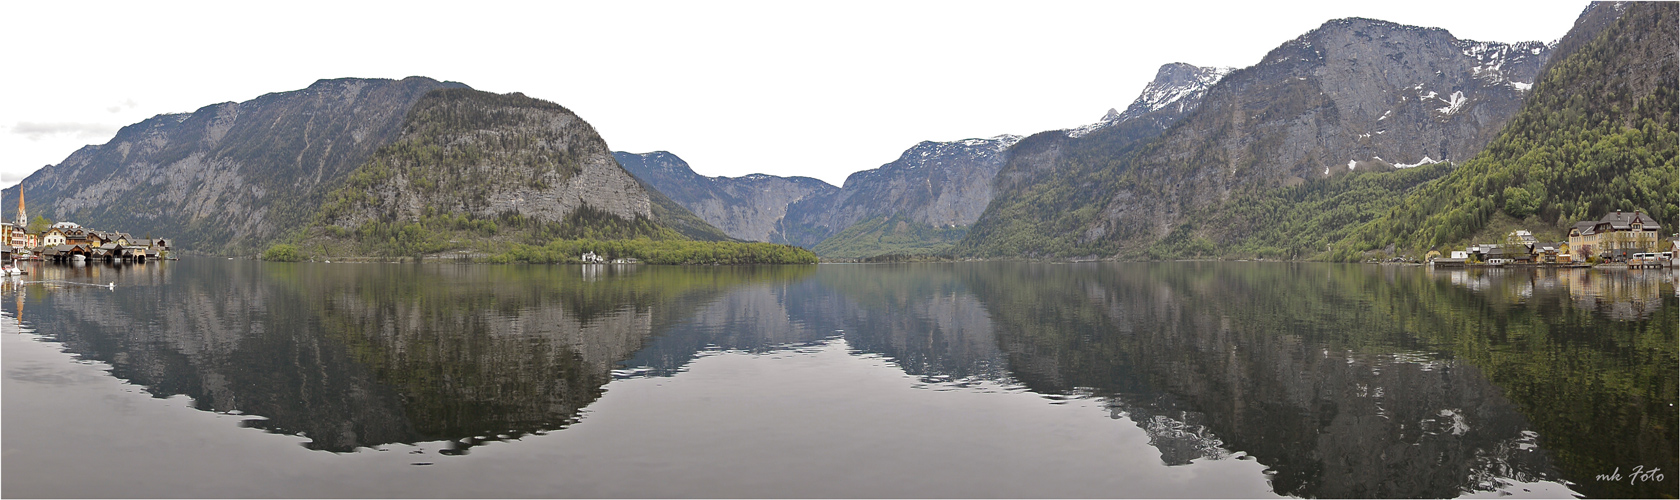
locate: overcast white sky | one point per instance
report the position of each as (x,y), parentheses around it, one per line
(820,89)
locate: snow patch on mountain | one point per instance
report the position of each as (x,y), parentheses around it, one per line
(1425,161)
(1111,118)
(1454,103)
(1491,58)
(1177,84)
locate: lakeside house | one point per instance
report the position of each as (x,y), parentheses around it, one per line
(1617,235)
(53,237)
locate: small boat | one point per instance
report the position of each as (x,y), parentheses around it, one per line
(11,270)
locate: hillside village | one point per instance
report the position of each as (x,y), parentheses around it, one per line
(69,241)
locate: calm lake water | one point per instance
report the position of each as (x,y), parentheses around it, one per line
(216,378)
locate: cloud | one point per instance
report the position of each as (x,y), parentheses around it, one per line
(128,104)
(36,130)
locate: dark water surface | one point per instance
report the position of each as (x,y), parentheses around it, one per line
(214,378)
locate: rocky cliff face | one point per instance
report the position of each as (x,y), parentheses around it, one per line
(230,176)
(1353,93)
(1033,199)
(939,184)
(748,208)
(479,155)
(1349,92)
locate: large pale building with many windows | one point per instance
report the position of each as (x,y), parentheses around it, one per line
(1618,233)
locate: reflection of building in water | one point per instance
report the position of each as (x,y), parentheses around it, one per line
(16,290)
(1619,293)
(1622,294)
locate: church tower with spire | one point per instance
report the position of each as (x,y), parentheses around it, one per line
(23,215)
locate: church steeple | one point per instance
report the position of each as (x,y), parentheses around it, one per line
(23,215)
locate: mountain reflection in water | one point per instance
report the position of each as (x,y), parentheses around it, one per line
(1344,381)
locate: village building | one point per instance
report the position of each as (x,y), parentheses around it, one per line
(76,236)
(67,252)
(1521,237)
(53,237)
(1547,253)
(1615,236)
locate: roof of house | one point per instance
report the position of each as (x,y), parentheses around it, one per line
(57,249)
(1623,221)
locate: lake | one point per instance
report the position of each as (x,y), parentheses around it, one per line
(223,378)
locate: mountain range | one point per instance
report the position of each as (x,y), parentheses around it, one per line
(1331,135)
(368,157)
(923,202)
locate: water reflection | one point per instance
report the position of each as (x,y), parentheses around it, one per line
(357,356)
(1619,294)
(1345,381)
